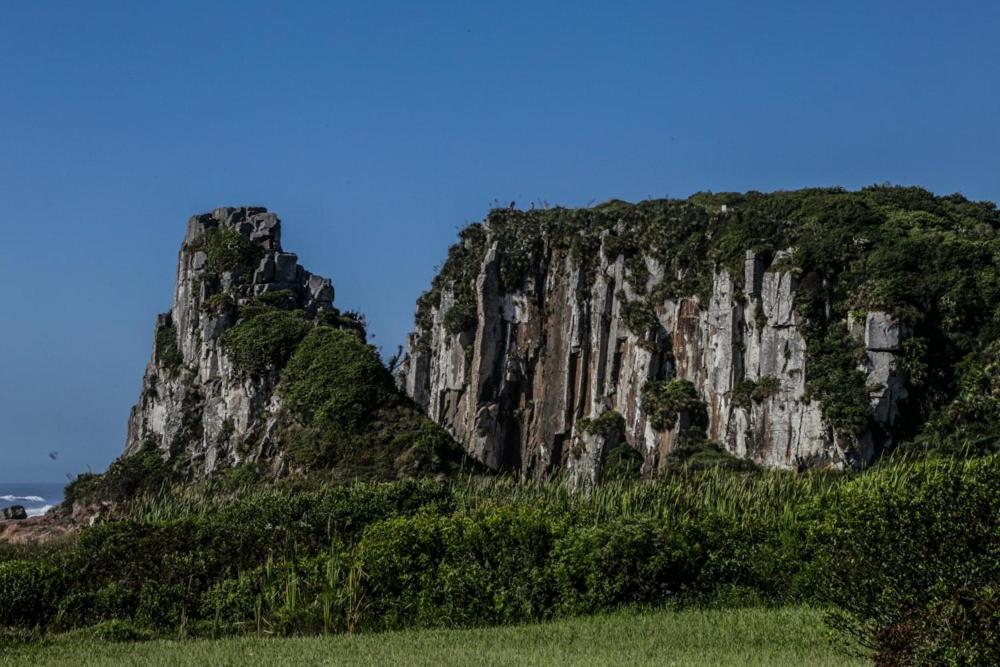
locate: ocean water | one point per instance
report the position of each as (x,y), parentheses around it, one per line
(36,498)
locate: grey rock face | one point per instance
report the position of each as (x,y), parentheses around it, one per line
(557,350)
(193,403)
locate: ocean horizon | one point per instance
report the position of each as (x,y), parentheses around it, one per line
(36,497)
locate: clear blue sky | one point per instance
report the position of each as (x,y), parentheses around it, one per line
(375,129)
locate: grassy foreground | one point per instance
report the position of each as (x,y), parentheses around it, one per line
(787,636)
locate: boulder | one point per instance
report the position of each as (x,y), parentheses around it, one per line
(15,513)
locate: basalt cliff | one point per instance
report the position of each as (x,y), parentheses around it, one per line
(799,329)
(254,369)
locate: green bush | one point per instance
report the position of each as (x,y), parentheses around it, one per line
(167,353)
(692,454)
(335,383)
(913,560)
(639,561)
(462,314)
(746,392)
(640,318)
(664,400)
(29,592)
(144,471)
(622,463)
(226,250)
(430,570)
(265,341)
(218,303)
(610,425)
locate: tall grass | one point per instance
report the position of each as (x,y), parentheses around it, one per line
(771,495)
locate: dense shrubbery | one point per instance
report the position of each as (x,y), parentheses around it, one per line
(266,340)
(909,553)
(913,556)
(343,416)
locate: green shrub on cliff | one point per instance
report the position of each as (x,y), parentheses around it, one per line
(226,250)
(663,401)
(167,353)
(265,341)
(144,471)
(334,375)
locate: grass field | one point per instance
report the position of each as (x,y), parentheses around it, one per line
(789,636)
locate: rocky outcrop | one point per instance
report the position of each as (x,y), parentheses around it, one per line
(15,513)
(194,403)
(549,357)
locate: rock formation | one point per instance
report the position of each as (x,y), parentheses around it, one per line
(192,399)
(216,394)
(540,362)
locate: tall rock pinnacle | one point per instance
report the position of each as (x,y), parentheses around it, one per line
(193,400)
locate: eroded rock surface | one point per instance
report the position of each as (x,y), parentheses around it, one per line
(515,388)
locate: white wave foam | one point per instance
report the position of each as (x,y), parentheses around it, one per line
(39,510)
(29,499)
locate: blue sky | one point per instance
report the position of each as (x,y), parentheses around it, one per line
(376,129)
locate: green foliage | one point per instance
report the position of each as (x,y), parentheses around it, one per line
(29,590)
(747,391)
(334,385)
(742,393)
(457,275)
(168,355)
(623,563)
(833,379)
(693,454)
(265,341)
(459,570)
(622,464)
(461,316)
(664,400)
(226,250)
(144,471)
(217,303)
(282,299)
(969,424)
(913,560)
(640,318)
(907,551)
(610,425)
(767,386)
